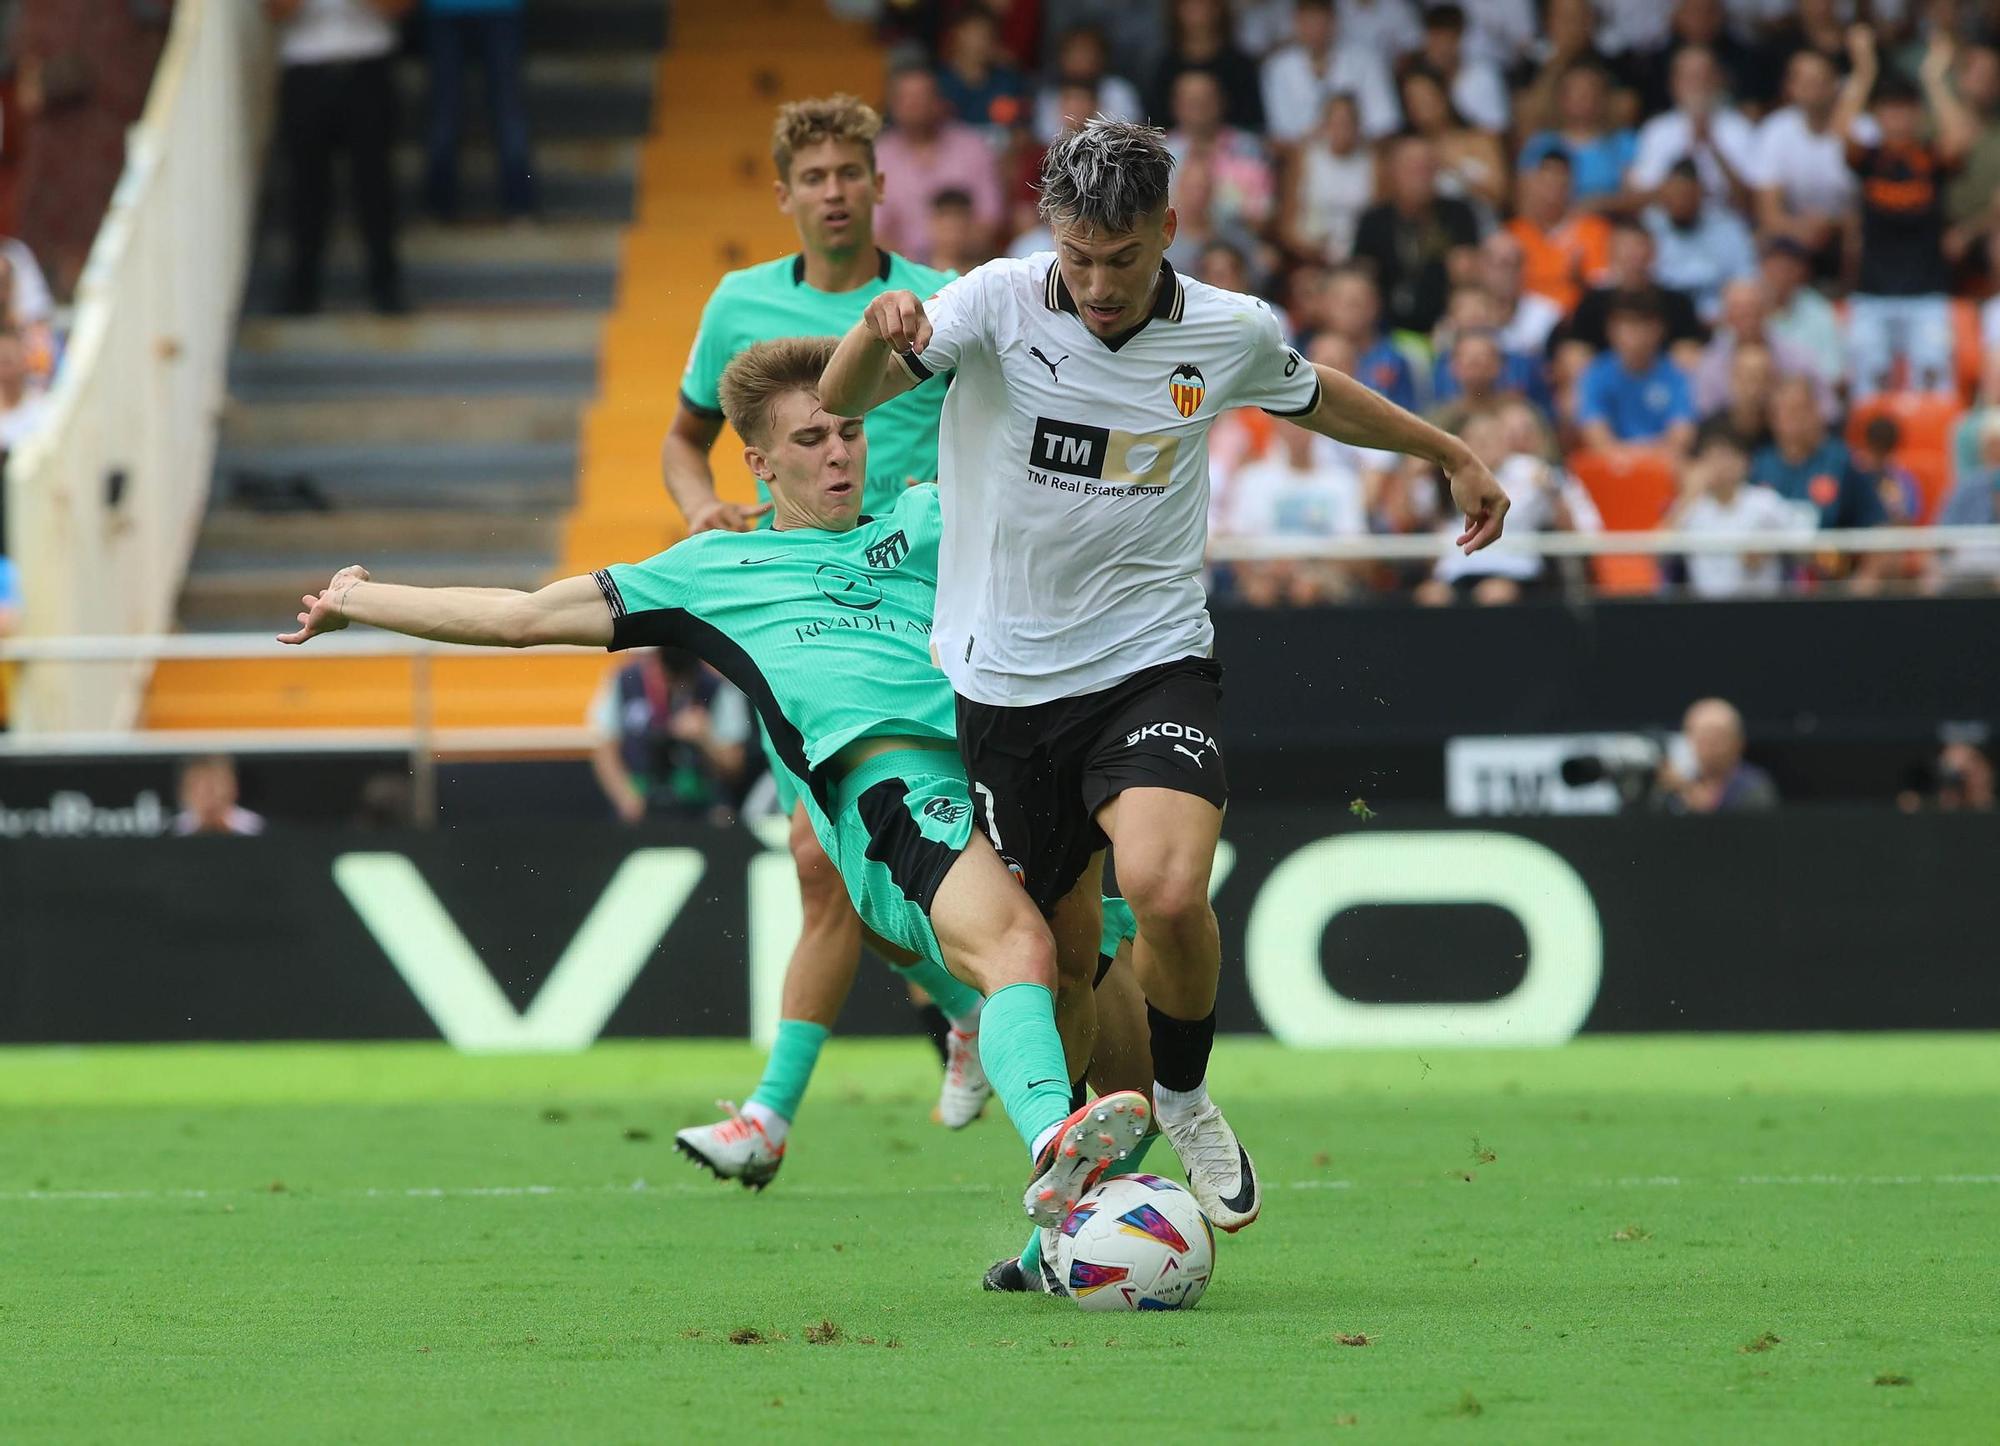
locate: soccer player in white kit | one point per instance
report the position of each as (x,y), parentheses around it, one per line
(1071,618)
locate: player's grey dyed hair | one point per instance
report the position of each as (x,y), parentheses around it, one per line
(1105,176)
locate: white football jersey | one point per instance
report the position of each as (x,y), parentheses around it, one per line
(1073,474)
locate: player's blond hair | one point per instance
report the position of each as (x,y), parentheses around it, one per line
(759,375)
(803,123)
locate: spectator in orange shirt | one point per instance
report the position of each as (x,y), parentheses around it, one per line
(1563,251)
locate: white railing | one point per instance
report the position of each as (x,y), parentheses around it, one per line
(1427,547)
(36,657)
(105,498)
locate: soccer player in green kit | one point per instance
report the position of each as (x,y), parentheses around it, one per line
(824,151)
(824,622)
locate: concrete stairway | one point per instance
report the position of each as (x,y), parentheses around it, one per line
(452,443)
(442,445)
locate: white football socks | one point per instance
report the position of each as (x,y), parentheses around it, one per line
(1178,1104)
(774,1125)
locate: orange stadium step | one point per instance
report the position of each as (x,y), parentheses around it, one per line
(695,85)
(526,691)
(703,26)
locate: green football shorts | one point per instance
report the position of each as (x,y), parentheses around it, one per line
(901,821)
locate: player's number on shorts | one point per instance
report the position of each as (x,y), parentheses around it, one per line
(992,819)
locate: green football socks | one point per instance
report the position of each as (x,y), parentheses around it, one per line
(790,1068)
(1023,1058)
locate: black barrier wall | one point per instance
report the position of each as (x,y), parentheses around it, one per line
(1335,932)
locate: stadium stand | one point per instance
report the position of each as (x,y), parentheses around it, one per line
(509,429)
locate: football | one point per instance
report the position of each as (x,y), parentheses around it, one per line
(1136,1242)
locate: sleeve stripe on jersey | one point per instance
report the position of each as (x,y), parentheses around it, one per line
(1302,410)
(613,599)
(914,365)
(707,414)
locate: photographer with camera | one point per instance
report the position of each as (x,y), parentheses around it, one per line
(1722,781)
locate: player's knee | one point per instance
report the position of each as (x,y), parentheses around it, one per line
(1167,897)
(1024,953)
(805,845)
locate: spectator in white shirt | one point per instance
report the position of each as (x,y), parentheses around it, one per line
(208,794)
(1702,128)
(1700,243)
(1501,32)
(1320,63)
(1513,442)
(1390,28)
(1717,498)
(1477,89)
(29,302)
(1804,189)
(1303,488)
(1329,182)
(1082,59)
(1633,25)
(338,93)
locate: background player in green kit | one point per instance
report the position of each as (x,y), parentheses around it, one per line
(824,622)
(827,183)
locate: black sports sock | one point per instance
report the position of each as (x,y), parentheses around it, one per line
(935,1025)
(1079,1093)
(1180,1048)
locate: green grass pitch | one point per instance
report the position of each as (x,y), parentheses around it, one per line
(1747,1239)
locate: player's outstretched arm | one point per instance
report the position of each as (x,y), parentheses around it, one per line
(570,611)
(1349,412)
(864,372)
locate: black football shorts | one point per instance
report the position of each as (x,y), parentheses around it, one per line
(1039,773)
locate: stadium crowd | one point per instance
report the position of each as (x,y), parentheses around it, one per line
(1722,265)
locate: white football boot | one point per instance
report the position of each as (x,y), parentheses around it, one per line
(1219,1173)
(735,1148)
(965,1090)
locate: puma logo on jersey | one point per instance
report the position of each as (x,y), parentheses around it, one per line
(1039,355)
(1183,748)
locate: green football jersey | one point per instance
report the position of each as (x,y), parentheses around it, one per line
(827,633)
(767,302)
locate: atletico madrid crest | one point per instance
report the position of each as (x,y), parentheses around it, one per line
(1187,388)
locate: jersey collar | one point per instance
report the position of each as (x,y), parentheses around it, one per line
(882,260)
(1169,301)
